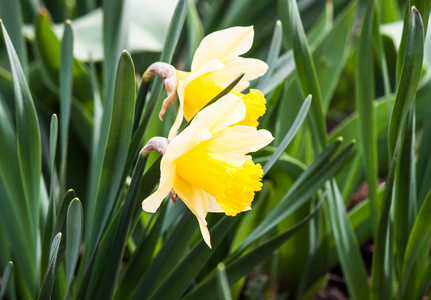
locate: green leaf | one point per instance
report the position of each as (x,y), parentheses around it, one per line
(346,245)
(48,280)
(49,53)
(405,208)
(332,49)
(304,187)
(168,257)
(73,240)
(60,220)
(239,267)
(10,14)
(223,283)
(419,238)
(272,57)
(50,219)
(65,80)
(306,72)
(113,265)
(409,78)
(117,146)
(381,271)
(290,134)
(141,258)
(29,151)
(364,98)
(178,279)
(195,28)
(7,274)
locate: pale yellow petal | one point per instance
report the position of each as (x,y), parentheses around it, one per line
(234,142)
(253,68)
(228,110)
(186,140)
(223,45)
(167,169)
(195,199)
(240,139)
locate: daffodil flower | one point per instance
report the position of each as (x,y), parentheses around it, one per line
(206,164)
(216,63)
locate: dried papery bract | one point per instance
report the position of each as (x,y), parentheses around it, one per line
(168,74)
(155,143)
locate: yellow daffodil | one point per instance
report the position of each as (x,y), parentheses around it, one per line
(215,65)
(206,164)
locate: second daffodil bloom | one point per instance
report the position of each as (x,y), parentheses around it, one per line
(216,63)
(207,166)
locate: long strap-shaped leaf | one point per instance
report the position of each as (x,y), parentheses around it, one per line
(116,255)
(7,274)
(117,146)
(409,78)
(305,186)
(347,246)
(238,267)
(75,221)
(29,152)
(48,281)
(364,98)
(306,71)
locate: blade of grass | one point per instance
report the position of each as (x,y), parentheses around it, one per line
(272,57)
(65,80)
(29,152)
(10,14)
(7,274)
(162,265)
(117,146)
(347,246)
(405,208)
(189,266)
(48,280)
(223,283)
(239,267)
(113,266)
(73,241)
(304,187)
(306,71)
(50,220)
(141,259)
(364,82)
(409,78)
(381,271)
(290,134)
